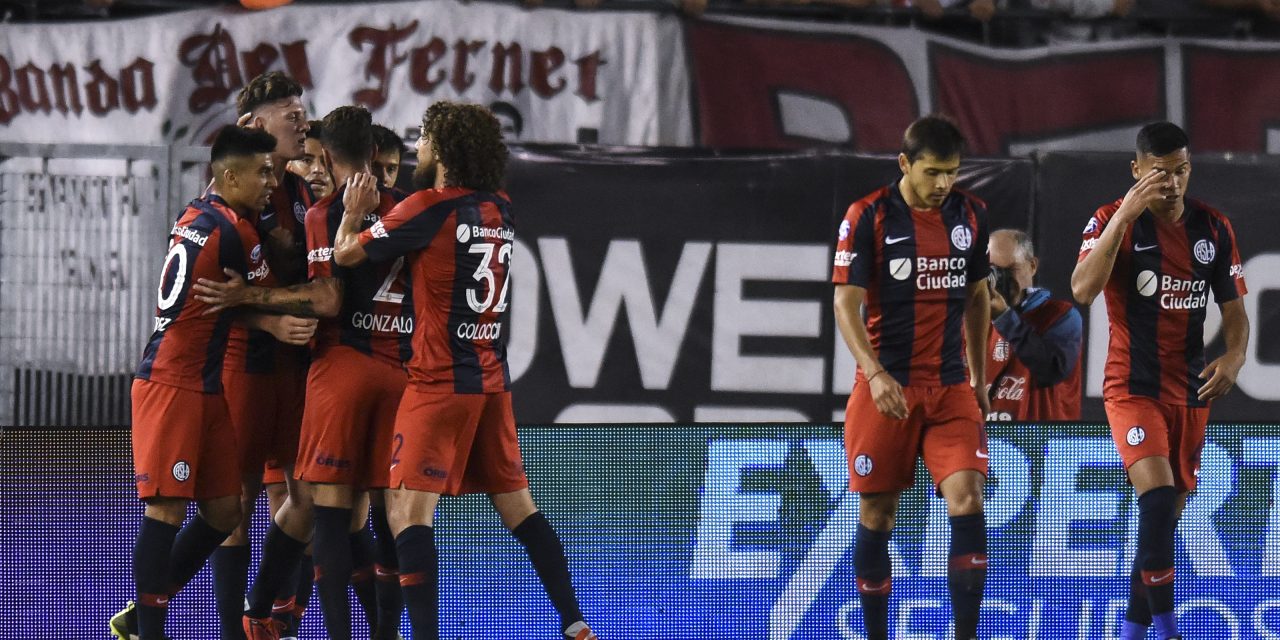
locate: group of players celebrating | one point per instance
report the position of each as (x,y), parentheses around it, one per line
(350,353)
(913,256)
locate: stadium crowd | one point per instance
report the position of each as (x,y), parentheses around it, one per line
(999,22)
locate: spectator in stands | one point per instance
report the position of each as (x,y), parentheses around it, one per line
(510,119)
(982,10)
(1033,356)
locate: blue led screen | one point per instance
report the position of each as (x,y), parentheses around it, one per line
(711,531)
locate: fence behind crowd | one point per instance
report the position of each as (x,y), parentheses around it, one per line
(648,285)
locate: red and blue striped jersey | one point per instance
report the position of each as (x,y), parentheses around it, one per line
(376,317)
(916,267)
(186,347)
(251,350)
(1157,296)
(458,243)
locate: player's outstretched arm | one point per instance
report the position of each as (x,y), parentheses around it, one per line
(322,297)
(1092,273)
(287,329)
(977,324)
(360,197)
(885,391)
(1220,375)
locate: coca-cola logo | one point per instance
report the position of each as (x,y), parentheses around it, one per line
(1011,388)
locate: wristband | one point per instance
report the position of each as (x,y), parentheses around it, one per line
(873,376)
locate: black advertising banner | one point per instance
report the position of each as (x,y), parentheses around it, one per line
(658,286)
(1071,186)
(676,286)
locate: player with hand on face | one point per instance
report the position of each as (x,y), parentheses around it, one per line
(265,383)
(354,387)
(455,430)
(1155,255)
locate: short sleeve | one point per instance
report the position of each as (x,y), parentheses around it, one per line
(319,243)
(855,246)
(1092,231)
(1228,272)
(405,229)
(258,272)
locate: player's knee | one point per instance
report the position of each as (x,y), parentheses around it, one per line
(964,503)
(878,512)
(223,515)
(170,511)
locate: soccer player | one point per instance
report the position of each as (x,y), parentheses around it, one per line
(310,166)
(265,385)
(1155,255)
(357,378)
(914,254)
(1034,352)
(181,427)
(386,165)
(455,430)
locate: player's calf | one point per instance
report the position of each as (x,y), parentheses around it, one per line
(1157,520)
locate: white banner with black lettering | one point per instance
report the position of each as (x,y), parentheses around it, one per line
(558,76)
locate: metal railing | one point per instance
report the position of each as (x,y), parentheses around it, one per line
(82,233)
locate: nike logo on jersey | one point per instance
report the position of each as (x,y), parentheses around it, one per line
(893,240)
(1138,247)
(978,562)
(980,454)
(1160,579)
(266,215)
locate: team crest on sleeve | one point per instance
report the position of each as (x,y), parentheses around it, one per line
(1092,226)
(862,465)
(1204,251)
(181,471)
(255,254)
(299,212)
(844,229)
(961,237)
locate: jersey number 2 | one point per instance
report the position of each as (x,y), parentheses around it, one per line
(384,293)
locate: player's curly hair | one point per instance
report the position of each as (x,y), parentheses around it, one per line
(266,88)
(467,139)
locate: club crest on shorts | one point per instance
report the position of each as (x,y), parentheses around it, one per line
(862,465)
(1204,251)
(1135,436)
(300,212)
(961,237)
(181,471)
